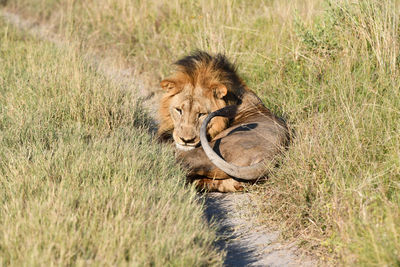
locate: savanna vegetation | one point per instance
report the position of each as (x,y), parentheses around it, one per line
(331,68)
(81,179)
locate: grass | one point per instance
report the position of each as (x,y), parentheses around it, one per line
(81,179)
(330,67)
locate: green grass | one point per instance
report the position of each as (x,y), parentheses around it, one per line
(330,67)
(81,180)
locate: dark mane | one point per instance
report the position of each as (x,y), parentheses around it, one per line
(201,65)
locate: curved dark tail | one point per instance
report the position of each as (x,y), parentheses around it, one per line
(246,173)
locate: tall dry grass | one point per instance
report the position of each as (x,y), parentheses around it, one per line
(82,182)
(329,67)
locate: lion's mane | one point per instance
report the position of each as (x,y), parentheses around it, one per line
(207,70)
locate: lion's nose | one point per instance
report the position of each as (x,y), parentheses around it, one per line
(187,141)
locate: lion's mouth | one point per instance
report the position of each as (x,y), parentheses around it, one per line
(185,147)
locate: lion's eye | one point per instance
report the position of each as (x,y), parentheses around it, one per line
(178,110)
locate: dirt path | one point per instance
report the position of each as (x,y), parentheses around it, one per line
(245,243)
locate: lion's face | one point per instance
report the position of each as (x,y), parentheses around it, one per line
(187,113)
(188,106)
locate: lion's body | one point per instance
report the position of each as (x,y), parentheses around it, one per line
(205,84)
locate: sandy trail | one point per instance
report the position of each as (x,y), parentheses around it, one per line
(245,243)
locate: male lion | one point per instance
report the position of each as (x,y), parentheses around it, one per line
(245,136)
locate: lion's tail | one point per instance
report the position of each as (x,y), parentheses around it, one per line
(246,173)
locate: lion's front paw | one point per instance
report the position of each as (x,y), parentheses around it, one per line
(223,186)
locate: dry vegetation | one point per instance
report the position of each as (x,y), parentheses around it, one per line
(81,180)
(330,67)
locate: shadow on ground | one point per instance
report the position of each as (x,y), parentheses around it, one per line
(245,242)
(219,210)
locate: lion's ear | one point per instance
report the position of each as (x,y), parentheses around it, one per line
(168,85)
(220,91)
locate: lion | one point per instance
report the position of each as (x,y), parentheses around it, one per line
(206,101)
